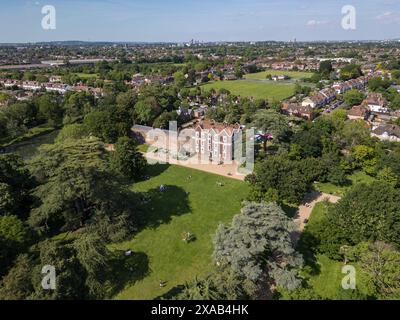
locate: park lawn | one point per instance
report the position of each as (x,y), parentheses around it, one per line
(328,280)
(259,90)
(354,179)
(197,205)
(297,75)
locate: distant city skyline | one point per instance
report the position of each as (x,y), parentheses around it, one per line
(202,20)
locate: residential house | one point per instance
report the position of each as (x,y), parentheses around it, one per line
(297,110)
(358,113)
(55,79)
(389,132)
(376,103)
(230,77)
(57,87)
(31,85)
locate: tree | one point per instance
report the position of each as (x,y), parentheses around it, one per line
(364,158)
(126,160)
(203,289)
(259,243)
(15,186)
(70,274)
(13,237)
(378,84)
(49,109)
(102,124)
(93,254)
(179,79)
(146,111)
(365,213)
(350,71)
(76,191)
(354,133)
(325,68)
(353,97)
(71,131)
(387,175)
(309,142)
(77,105)
(17,285)
(162,122)
(286,179)
(272,122)
(379,262)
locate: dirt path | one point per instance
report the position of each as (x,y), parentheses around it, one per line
(305,210)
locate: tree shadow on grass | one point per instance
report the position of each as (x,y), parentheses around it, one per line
(290,210)
(153,170)
(171,294)
(307,247)
(158,206)
(126,271)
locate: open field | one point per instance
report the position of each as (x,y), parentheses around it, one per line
(193,202)
(296,75)
(257,89)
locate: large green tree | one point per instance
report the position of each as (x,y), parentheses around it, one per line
(76,190)
(126,160)
(366,213)
(259,244)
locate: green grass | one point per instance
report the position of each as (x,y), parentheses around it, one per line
(143,147)
(326,279)
(28,147)
(259,90)
(354,179)
(87,75)
(195,205)
(297,75)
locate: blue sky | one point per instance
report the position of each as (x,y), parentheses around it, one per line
(206,20)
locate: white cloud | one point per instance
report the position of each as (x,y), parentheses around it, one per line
(389,17)
(314,23)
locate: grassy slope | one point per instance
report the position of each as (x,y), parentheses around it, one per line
(259,90)
(194,205)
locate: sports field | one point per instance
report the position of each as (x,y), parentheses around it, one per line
(259,90)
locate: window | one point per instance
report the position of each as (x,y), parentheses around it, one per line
(225,139)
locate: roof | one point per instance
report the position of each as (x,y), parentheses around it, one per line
(387,129)
(375,99)
(296,108)
(218,127)
(358,111)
